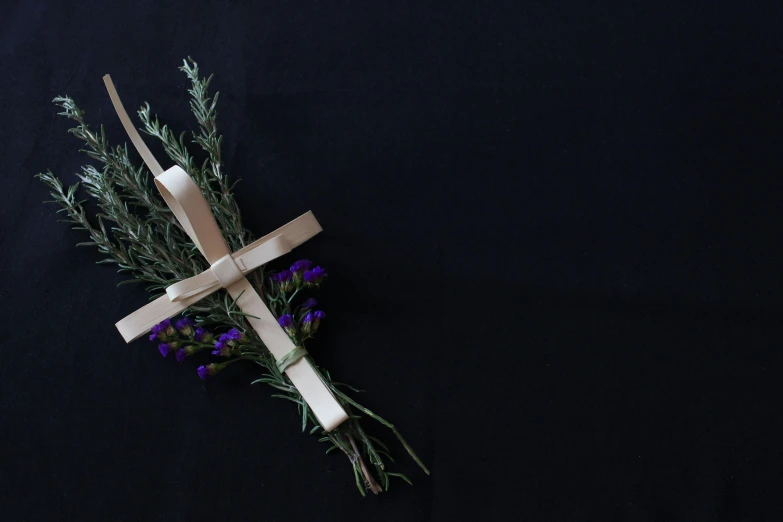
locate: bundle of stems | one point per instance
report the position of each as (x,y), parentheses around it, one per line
(135,230)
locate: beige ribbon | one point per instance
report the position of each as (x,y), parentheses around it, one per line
(227,271)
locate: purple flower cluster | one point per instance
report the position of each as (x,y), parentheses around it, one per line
(299,274)
(225,344)
(315,276)
(177,337)
(282,277)
(184,339)
(284,280)
(301,266)
(311,321)
(162,330)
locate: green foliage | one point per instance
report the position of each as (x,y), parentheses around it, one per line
(136,231)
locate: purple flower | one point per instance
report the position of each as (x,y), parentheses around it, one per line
(185,326)
(204,372)
(180,355)
(226,342)
(221,346)
(309,304)
(282,277)
(315,276)
(164,348)
(160,329)
(210,370)
(311,321)
(286,321)
(301,265)
(183,323)
(200,331)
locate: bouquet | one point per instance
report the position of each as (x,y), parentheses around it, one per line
(136,230)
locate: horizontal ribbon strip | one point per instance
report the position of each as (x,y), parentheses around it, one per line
(164,307)
(228,271)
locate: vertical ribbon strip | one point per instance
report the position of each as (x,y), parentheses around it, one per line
(227,271)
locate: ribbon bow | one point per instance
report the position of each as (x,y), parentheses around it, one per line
(227,271)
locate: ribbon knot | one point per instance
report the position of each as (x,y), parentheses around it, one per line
(231,267)
(226,271)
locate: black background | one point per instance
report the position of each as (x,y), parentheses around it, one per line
(552,231)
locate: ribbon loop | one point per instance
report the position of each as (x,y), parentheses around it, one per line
(190,208)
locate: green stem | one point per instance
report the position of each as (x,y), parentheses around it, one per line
(382,421)
(293,295)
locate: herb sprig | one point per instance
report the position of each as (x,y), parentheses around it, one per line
(135,230)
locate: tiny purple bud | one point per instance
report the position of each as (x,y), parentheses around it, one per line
(309,304)
(184,323)
(203,372)
(286,321)
(317,316)
(181,323)
(200,331)
(211,369)
(185,326)
(180,355)
(234,334)
(164,348)
(307,323)
(160,330)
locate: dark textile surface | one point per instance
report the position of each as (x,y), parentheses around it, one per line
(552,234)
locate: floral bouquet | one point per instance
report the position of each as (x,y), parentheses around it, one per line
(136,230)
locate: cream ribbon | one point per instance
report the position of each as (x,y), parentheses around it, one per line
(227,271)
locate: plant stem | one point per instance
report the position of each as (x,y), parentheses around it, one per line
(371,483)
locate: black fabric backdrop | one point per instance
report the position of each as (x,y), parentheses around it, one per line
(552,233)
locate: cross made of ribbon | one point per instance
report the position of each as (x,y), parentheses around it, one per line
(227,271)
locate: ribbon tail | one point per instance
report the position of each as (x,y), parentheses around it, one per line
(320,399)
(142,320)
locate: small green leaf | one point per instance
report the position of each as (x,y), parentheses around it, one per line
(400,475)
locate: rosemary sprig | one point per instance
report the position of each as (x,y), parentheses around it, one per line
(144,239)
